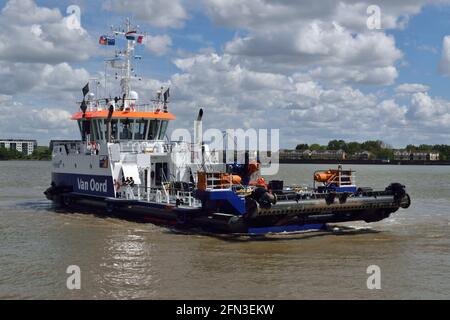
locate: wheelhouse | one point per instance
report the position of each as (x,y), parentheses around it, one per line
(125,126)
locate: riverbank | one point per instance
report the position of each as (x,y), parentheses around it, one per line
(39,153)
(324,161)
(367,162)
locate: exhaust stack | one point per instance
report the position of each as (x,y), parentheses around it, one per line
(198,137)
(198,130)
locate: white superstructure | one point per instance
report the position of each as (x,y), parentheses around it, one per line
(123,139)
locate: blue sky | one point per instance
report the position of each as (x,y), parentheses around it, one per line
(313,70)
(421,43)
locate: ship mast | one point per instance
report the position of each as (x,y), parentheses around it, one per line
(127,55)
(123,61)
(125,82)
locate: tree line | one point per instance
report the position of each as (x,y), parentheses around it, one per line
(377,148)
(39,153)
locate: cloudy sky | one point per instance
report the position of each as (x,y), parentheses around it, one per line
(313,69)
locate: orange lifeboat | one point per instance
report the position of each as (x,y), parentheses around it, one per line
(230,178)
(324,176)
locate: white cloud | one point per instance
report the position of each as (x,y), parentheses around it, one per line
(34,34)
(354,74)
(27,12)
(301,108)
(48,80)
(159,13)
(36,47)
(409,88)
(33,121)
(391,114)
(430,111)
(30,90)
(293,65)
(328,49)
(444,66)
(257,14)
(159,44)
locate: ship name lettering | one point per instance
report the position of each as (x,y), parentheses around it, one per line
(92,185)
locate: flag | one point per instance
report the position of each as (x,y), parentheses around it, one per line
(166,95)
(107,41)
(86,89)
(103,40)
(131,35)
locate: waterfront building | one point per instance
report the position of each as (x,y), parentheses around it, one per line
(364,155)
(328,154)
(26,147)
(433,156)
(405,155)
(288,154)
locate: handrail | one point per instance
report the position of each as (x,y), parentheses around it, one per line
(102,104)
(331,179)
(160,195)
(337,177)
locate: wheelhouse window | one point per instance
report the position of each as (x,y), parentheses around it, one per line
(114,131)
(80,127)
(101,129)
(140,129)
(125,129)
(162,131)
(94,130)
(153,132)
(133,129)
(85,128)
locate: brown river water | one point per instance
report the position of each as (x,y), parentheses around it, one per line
(126,260)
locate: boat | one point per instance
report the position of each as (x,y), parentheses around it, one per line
(124,166)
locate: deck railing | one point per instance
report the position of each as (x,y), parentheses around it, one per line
(161,194)
(129,105)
